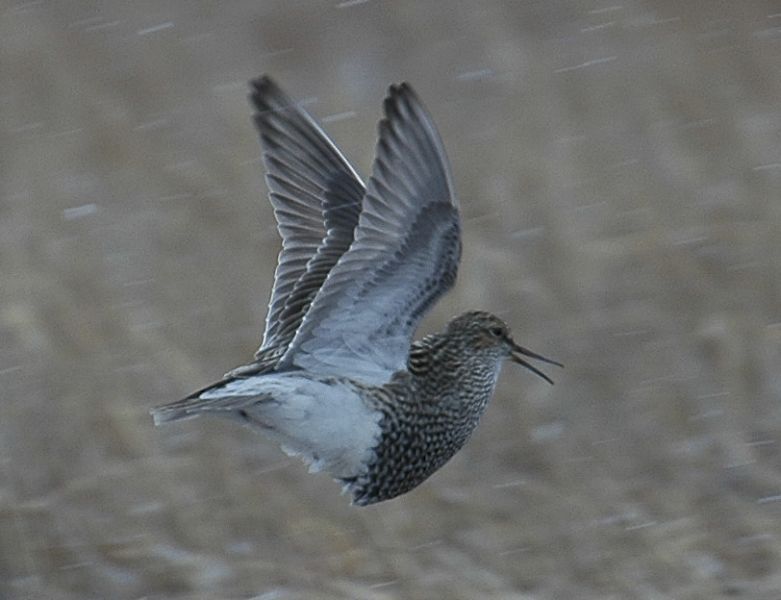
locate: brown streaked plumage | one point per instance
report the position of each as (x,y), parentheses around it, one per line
(337,378)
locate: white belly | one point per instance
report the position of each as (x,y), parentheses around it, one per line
(327,424)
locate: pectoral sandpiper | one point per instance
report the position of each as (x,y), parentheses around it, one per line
(337,379)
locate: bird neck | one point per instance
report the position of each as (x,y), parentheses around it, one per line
(440,361)
(431,352)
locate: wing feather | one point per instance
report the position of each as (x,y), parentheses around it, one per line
(316,195)
(404,256)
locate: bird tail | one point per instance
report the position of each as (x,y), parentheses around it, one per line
(195,406)
(183,409)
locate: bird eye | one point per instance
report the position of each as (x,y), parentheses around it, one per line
(497,332)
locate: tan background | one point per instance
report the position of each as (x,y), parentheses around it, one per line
(618,165)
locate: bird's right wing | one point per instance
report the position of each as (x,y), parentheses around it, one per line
(404,257)
(316,195)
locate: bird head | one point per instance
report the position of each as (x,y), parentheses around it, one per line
(487,336)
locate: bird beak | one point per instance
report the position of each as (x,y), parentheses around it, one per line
(518,352)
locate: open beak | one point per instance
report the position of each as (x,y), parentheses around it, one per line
(518,352)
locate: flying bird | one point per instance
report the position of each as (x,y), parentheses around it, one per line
(337,379)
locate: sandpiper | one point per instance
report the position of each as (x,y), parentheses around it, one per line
(338,380)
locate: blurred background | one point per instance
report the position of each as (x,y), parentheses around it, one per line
(618,165)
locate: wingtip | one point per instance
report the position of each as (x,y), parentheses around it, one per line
(402,104)
(402,100)
(266,95)
(401,92)
(403,87)
(262,82)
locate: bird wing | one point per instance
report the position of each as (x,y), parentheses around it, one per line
(316,195)
(404,256)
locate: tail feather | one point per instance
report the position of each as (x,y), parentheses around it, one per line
(188,408)
(194,405)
